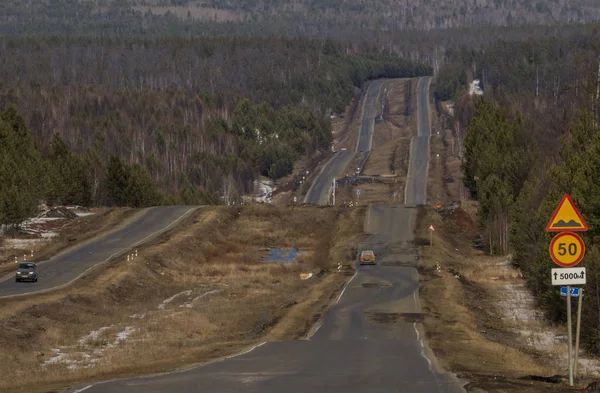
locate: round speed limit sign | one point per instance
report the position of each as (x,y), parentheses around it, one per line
(567,249)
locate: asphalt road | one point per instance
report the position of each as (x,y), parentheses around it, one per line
(66,267)
(367,126)
(416,182)
(369,341)
(318,194)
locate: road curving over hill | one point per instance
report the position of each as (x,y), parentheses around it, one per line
(318,194)
(72,264)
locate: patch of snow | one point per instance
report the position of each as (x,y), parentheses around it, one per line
(169,300)
(84,214)
(20,242)
(519,309)
(86,356)
(589,367)
(190,304)
(266,189)
(48,235)
(138,316)
(93,335)
(475,88)
(124,334)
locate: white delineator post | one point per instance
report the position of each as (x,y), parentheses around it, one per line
(333,191)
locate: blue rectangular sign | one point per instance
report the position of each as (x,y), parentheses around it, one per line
(574,291)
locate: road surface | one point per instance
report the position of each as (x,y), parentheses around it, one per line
(416,182)
(68,266)
(319,193)
(367,126)
(369,341)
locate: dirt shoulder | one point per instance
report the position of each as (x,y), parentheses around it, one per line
(198,292)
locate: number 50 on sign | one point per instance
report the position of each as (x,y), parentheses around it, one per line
(567,249)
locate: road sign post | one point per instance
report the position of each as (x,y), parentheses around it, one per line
(577,331)
(570,334)
(567,250)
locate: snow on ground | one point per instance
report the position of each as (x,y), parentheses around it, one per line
(35,231)
(188,298)
(519,310)
(169,300)
(94,347)
(265,188)
(91,348)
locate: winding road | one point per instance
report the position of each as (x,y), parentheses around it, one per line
(319,192)
(369,341)
(70,265)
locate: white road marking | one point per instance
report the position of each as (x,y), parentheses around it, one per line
(183,370)
(346,286)
(320,322)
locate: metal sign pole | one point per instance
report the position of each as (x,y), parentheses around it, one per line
(569,329)
(577,331)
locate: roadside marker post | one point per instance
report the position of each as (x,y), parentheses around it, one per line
(333,191)
(357,196)
(567,250)
(431,229)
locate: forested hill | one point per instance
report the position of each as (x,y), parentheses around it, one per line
(191,120)
(343,18)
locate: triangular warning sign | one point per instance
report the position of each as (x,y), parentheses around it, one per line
(566,218)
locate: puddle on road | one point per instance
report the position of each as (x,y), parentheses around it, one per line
(391,317)
(399,263)
(375,284)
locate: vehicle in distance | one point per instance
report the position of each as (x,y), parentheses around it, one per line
(367,257)
(27,271)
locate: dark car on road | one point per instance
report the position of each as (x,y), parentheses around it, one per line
(27,271)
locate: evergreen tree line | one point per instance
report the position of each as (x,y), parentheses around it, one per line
(518,169)
(29,177)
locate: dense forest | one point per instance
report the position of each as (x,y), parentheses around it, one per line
(533,137)
(306,17)
(201,118)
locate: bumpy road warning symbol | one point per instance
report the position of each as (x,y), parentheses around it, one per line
(566,218)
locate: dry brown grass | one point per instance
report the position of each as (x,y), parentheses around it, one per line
(75,233)
(462,326)
(226,298)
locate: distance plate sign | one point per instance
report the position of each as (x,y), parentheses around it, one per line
(568,276)
(567,249)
